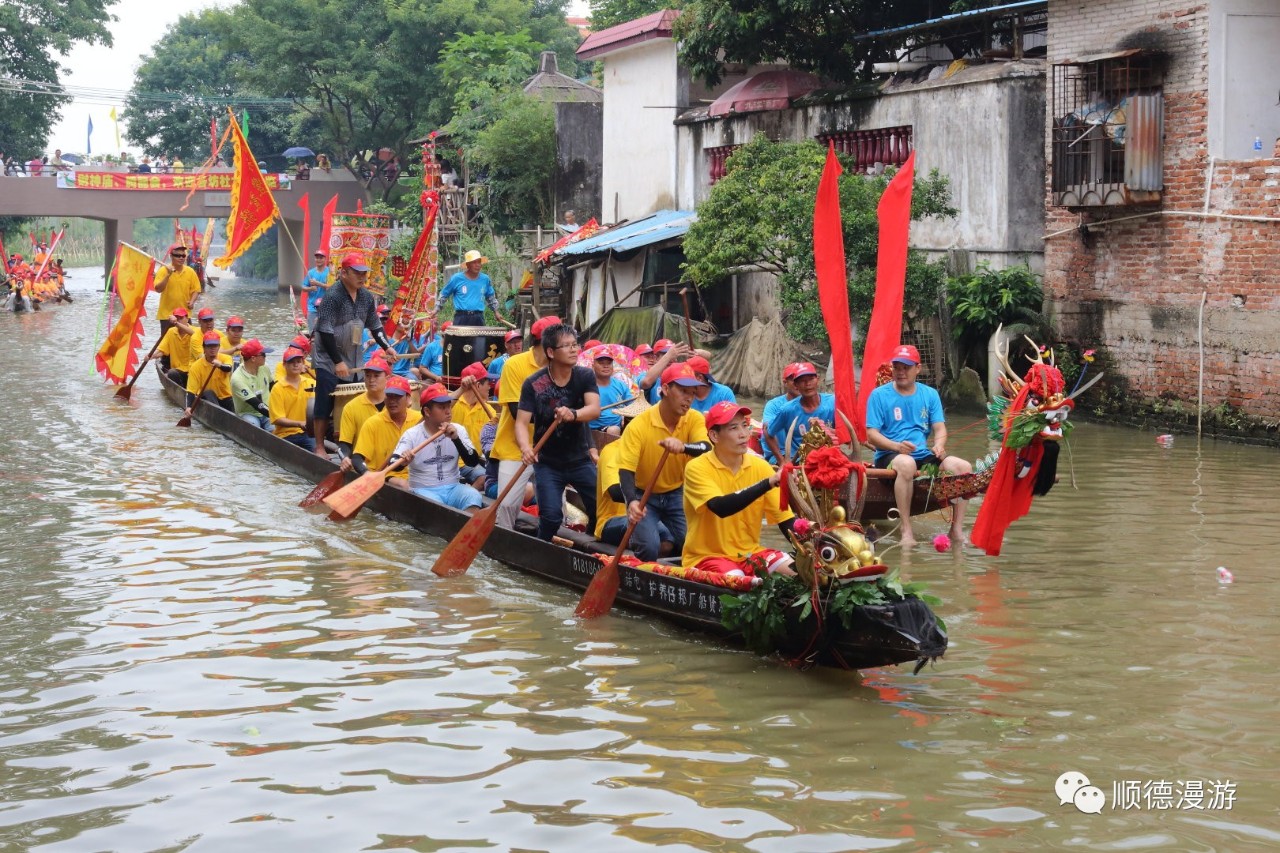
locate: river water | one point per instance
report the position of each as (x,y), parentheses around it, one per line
(192,663)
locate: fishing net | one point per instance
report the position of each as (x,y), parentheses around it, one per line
(752,363)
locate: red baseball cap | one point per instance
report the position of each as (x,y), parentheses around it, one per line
(681,374)
(377,364)
(513,335)
(804,368)
(723,412)
(434,393)
(592,343)
(234,321)
(543,324)
(906,354)
(302,342)
(700,365)
(355,261)
(663,345)
(212,338)
(399,386)
(291,353)
(205,314)
(477,370)
(319,254)
(789,372)
(643,349)
(180,312)
(253,347)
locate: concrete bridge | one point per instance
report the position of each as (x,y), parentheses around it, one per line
(118,209)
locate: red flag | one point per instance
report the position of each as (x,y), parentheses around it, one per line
(833,288)
(326,226)
(304,202)
(885,332)
(253,208)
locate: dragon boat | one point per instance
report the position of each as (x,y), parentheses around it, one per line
(845,609)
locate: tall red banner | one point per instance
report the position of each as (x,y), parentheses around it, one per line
(833,288)
(885,332)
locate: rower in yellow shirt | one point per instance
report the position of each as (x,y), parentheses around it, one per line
(672,426)
(728,493)
(359,410)
(209,377)
(287,407)
(175,347)
(471,414)
(205,318)
(611,512)
(302,342)
(381,433)
(518,368)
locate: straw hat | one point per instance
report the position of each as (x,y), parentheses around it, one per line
(634,409)
(474,255)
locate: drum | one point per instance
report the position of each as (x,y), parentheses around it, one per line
(465,345)
(348,391)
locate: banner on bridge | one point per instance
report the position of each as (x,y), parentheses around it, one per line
(129,181)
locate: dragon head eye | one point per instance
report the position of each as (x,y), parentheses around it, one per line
(828,553)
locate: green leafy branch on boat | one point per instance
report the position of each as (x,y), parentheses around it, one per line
(760,614)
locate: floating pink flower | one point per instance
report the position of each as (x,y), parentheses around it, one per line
(1087,355)
(942,543)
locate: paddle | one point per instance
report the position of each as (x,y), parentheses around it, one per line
(688,326)
(603,589)
(347,501)
(185,420)
(484,404)
(125,392)
(323,489)
(461,551)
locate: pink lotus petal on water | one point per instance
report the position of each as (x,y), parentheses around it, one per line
(942,542)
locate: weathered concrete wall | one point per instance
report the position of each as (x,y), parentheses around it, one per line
(983,128)
(579,158)
(640,96)
(1135,284)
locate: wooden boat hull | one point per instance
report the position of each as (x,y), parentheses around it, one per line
(883,636)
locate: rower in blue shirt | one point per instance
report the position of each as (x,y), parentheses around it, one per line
(471,290)
(314,284)
(714,392)
(430,367)
(771,408)
(802,410)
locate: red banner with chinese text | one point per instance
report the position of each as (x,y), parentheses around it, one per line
(181,183)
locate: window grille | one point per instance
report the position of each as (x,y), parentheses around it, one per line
(1108,129)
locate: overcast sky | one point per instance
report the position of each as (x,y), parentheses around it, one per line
(140,25)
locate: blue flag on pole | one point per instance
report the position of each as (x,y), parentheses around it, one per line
(88,143)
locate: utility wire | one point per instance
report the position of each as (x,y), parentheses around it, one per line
(94,95)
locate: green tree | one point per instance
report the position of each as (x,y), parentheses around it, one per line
(189,79)
(369,72)
(610,13)
(515,152)
(986,298)
(761,212)
(474,67)
(815,35)
(33,35)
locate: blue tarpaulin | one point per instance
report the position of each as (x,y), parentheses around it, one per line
(663,225)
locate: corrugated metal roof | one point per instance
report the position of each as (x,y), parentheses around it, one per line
(653,26)
(663,225)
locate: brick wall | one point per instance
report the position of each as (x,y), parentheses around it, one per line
(1135,286)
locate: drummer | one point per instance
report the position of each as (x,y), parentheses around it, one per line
(471,290)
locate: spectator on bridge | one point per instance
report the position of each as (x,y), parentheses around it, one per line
(144,168)
(35,166)
(322,162)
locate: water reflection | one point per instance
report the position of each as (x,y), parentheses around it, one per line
(190,661)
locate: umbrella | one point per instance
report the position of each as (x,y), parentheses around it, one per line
(627,366)
(72,158)
(298,151)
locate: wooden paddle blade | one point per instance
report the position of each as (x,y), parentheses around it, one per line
(348,500)
(323,489)
(462,550)
(184,421)
(603,589)
(125,392)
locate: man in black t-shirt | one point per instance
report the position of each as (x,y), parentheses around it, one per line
(562,392)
